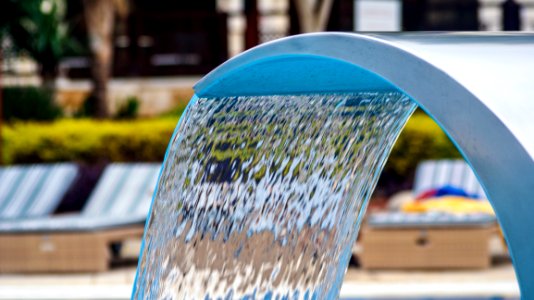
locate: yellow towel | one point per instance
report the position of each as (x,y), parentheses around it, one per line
(449,204)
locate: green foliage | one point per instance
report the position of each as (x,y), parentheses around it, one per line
(146,140)
(176,112)
(29,103)
(87,141)
(39,28)
(87,109)
(421,139)
(129,109)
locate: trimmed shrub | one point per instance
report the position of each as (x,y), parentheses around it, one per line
(421,139)
(87,141)
(90,141)
(128,110)
(29,103)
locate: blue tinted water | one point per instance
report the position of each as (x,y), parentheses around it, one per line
(261,197)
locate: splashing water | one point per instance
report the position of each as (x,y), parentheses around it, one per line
(261,197)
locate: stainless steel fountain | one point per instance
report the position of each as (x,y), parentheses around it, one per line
(478,87)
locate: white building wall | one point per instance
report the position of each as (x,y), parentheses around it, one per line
(527,15)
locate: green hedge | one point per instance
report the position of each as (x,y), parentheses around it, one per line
(146,140)
(87,141)
(28,103)
(421,139)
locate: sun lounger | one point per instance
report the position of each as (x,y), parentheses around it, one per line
(428,220)
(34,190)
(431,240)
(115,211)
(433,174)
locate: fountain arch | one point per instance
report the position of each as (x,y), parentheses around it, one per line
(478,87)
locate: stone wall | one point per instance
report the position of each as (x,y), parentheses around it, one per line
(156,95)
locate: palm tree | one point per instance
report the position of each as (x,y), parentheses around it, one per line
(38,29)
(313,14)
(100,20)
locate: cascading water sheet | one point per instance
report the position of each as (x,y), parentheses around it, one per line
(261,197)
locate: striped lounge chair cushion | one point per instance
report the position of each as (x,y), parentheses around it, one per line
(430,219)
(68,223)
(34,190)
(123,190)
(438,173)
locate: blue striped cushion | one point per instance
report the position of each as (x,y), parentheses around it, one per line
(68,223)
(34,190)
(123,190)
(434,174)
(429,219)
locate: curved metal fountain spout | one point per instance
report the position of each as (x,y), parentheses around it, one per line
(478,87)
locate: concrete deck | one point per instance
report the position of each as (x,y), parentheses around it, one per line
(498,281)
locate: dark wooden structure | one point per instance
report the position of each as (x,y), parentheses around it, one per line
(160,38)
(440,15)
(417,15)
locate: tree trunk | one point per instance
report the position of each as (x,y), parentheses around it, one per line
(99,18)
(48,72)
(313,14)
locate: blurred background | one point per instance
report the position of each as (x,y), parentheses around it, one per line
(99,85)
